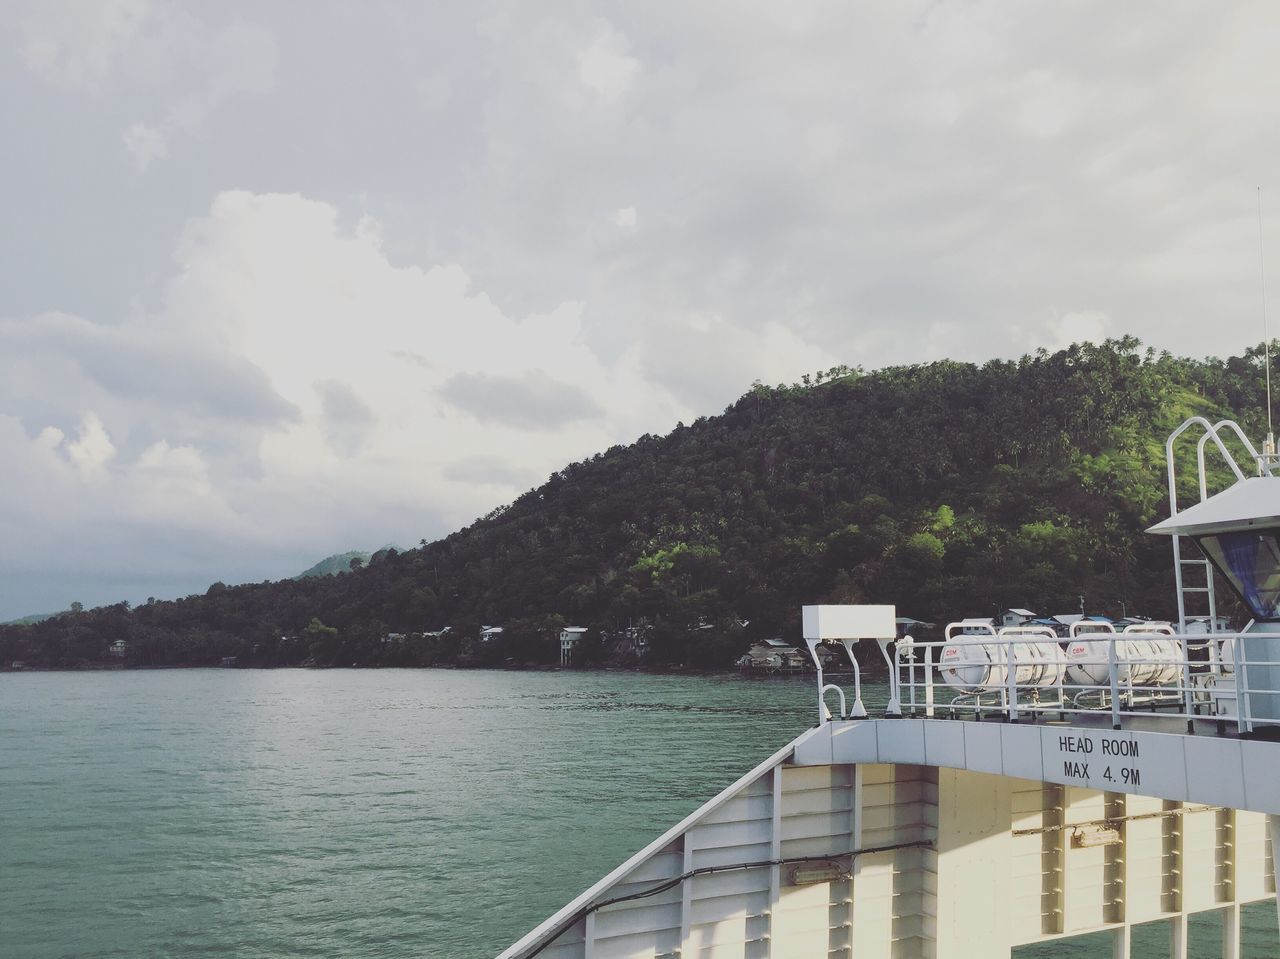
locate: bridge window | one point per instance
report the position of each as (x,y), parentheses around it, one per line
(1250,562)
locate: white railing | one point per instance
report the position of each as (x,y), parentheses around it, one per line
(1025,672)
(1030,671)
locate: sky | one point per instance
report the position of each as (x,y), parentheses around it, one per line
(279,280)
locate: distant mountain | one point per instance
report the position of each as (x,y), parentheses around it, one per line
(948,489)
(341,562)
(337,563)
(30,620)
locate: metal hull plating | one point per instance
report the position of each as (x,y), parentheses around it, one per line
(1025,853)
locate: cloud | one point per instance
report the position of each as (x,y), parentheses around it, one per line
(188,67)
(490,470)
(77,42)
(293,390)
(604,66)
(532,400)
(1078,327)
(145,145)
(162,370)
(348,421)
(708,362)
(333,248)
(92,449)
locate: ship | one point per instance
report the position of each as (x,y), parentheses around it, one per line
(1018,788)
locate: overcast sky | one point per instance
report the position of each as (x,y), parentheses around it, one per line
(283,279)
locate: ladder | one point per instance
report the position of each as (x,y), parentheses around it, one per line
(1201,584)
(1185,592)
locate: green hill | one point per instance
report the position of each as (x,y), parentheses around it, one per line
(30,620)
(949,489)
(335,564)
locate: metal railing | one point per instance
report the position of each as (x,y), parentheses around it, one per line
(1021,673)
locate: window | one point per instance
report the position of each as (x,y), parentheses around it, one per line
(1250,562)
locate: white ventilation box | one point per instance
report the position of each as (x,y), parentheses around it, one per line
(850,622)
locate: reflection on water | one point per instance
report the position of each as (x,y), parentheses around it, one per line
(436,813)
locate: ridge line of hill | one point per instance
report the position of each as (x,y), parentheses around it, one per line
(946,488)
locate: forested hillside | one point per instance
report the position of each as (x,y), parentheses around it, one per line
(948,489)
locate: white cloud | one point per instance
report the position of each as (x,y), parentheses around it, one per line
(145,145)
(92,449)
(604,66)
(325,436)
(1085,326)
(187,68)
(869,183)
(78,42)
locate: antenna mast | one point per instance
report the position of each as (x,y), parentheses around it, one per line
(1270,447)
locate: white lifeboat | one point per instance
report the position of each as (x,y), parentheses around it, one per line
(973,664)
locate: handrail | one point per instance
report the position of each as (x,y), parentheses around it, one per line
(1140,672)
(1212,431)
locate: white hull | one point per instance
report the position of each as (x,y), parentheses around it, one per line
(985,858)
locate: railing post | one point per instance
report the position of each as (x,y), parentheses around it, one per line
(858,710)
(1240,667)
(817,662)
(1188,696)
(1012,682)
(1113,675)
(928,682)
(911,675)
(894,708)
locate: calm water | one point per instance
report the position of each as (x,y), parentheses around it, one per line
(338,813)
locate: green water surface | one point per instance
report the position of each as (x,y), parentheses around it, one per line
(362,813)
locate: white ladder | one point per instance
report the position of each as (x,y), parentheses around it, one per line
(1261,464)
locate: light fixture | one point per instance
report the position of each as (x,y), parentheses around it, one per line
(810,873)
(1085,837)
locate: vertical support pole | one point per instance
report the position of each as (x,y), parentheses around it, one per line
(1114,676)
(894,708)
(1178,936)
(1244,723)
(686,898)
(855,842)
(1273,825)
(813,652)
(1120,942)
(589,937)
(1188,696)
(1117,864)
(775,852)
(928,682)
(857,710)
(1177,559)
(1012,681)
(1231,931)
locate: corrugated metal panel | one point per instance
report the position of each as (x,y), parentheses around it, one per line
(1003,854)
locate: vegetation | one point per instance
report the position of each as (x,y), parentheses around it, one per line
(335,564)
(948,489)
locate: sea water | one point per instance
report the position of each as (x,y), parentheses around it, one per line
(359,813)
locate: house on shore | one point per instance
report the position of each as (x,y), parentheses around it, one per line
(1016,617)
(774,655)
(634,642)
(570,636)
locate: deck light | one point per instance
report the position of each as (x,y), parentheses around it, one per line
(1086,837)
(811,873)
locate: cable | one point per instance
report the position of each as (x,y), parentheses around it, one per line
(707,870)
